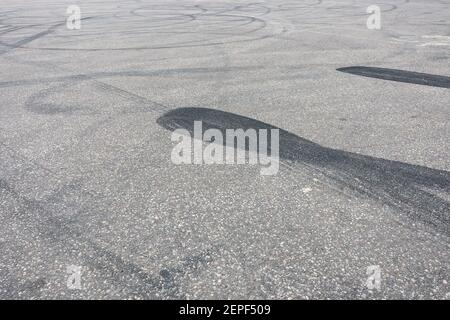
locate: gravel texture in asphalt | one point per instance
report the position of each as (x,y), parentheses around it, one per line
(92,206)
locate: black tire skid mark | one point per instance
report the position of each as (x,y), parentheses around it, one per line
(353,6)
(21,43)
(131,73)
(182,45)
(395,184)
(148,105)
(56,231)
(35,104)
(396,75)
(169,8)
(163,47)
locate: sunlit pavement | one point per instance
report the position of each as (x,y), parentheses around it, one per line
(91,205)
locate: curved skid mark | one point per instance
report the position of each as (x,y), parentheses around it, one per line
(396,184)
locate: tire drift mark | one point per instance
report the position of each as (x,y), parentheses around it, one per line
(57,231)
(399,76)
(399,185)
(203,23)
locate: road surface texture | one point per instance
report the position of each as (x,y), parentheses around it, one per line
(86,178)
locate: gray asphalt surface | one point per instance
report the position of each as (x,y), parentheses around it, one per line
(86,177)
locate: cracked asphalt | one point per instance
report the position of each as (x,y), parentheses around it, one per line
(86,177)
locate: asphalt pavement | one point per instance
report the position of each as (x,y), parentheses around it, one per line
(93,207)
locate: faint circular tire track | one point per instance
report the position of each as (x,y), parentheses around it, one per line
(202,26)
